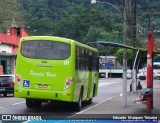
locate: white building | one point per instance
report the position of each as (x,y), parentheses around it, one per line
(110,67)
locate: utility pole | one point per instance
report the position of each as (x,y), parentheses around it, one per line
(124,86)
(134,25)
(150,49)
(134,43)
(125,28)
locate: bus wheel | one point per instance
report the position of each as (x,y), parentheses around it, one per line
(29,103)
(37,103)
(78,105)
(90,100)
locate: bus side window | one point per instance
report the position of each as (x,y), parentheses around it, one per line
(83,59)
(97,64)
(90,61)
(86,59)
(77,58)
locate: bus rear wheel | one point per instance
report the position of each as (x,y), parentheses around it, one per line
(93,95)
(89,101)
(78,105)
(29,103)
(37,103)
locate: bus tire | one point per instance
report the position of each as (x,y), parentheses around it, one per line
(90,101)
(37,103)
(29,103)
(78,105)
(94,91)
(93,95)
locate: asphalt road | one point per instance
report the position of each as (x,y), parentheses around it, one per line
(108,89)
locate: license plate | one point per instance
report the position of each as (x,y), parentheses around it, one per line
(42,86)
(2,89)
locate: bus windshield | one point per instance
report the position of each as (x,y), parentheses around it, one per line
(48,50)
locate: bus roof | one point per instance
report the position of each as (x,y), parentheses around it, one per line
(58,39)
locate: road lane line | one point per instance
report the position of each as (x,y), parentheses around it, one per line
(92,107)
(18,103)
(1,107)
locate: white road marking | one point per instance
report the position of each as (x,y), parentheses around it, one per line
(92,107)
(18,103)
(1,107)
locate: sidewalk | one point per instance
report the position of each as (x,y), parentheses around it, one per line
(115,105)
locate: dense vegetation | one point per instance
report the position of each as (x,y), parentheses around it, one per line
(78,19)
(142,58)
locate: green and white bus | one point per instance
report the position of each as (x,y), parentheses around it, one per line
(55,69)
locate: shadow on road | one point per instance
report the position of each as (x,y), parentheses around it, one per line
(58,108)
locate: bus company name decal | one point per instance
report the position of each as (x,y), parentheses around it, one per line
(48,74)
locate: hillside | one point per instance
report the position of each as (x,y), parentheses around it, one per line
(78,19)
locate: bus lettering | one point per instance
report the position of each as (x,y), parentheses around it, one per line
(36,74)
(50,74)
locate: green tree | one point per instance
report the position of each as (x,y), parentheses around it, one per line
(9,10)
(83,23)
(119,57)
(142,57)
